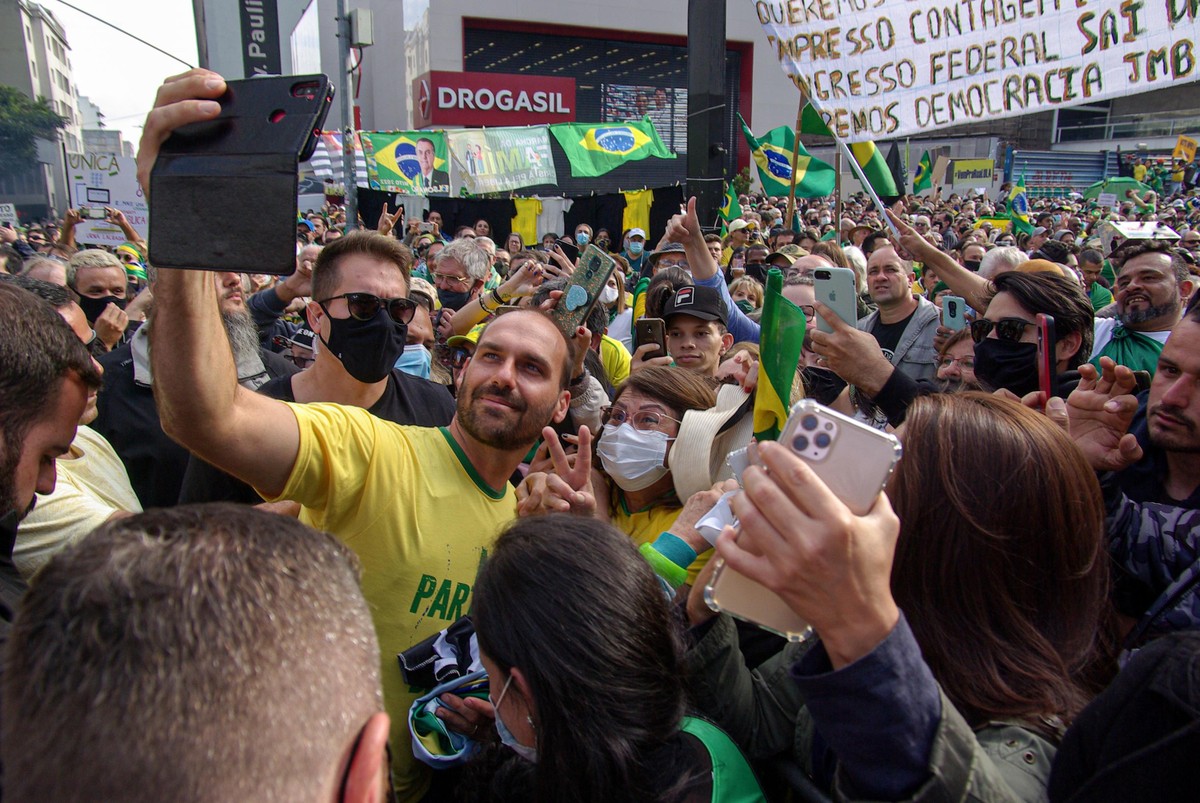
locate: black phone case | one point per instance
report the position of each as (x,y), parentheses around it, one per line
(223,192)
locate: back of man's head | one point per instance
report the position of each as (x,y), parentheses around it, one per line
(196,653)
(1001,260)
(327,272)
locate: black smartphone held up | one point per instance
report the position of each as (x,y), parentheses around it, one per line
(569,249)
(651,330)
(209,174)
(1046,346)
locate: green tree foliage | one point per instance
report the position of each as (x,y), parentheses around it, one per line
(22,123)
(741,182)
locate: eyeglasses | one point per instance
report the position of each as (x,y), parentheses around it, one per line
(967,362)
(450,278)
(1190,243)
(665,263)
(809,311)
(365,306)
(37,241)
(1006,328)
(644,420)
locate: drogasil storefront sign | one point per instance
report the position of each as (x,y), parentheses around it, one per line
(491,99)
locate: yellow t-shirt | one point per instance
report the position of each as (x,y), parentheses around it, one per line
(525,221)
(645,526)
(91,484)
(616,359)
(637,210)
(420,519)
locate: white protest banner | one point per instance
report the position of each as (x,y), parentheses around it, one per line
(8,214)
(896,68)
(1107,199)
(502,159)
(98,180)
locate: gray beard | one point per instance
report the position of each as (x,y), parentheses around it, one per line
(1150,313)
(243,335)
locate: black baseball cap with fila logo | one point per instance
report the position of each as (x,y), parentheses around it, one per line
(704,303)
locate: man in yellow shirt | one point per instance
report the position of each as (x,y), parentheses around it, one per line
(419,506)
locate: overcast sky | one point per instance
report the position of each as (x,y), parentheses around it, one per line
(119,74)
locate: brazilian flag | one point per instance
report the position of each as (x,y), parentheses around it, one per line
(923,180)
(1018,208)
(781,341)
(393,164)
(732,209)
(869,158)
(594,150)
(773,155)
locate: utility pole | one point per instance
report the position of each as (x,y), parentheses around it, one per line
(345,87)
(707,148)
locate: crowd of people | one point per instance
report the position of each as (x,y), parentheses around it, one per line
(380,528)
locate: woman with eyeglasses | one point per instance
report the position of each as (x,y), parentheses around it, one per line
(631,486)
(956,362)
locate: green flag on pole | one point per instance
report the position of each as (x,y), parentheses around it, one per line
(780,344)
(773,155)
(869,158)
(594,150)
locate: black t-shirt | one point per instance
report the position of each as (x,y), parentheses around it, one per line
(407,400)
(889,334)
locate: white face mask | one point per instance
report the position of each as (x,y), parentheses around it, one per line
(608,295)
(633,458)
(506,736)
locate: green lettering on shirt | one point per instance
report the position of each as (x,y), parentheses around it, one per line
(425,590)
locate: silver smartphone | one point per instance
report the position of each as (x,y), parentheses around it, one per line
(854,460)
(836,289)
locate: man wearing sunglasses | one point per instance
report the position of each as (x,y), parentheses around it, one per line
(359,318)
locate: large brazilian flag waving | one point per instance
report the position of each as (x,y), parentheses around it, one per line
(773,155)
(595,149)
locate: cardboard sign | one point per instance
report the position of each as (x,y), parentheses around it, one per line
(8,214)
(1113,234)
(104,179)
(1185,149)
(1108,199)
(972,172)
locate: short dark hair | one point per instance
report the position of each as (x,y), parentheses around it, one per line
(1091,256)
(1058,296)
(40,349)
(55,294)
(210,648)
(327,272)
(1135,248)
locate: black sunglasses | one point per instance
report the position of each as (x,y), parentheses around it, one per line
(365,306)
(1006,328)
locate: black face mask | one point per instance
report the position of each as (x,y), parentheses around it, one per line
(93,307)
(972,265)
(1005,364)
(367,349)
(454,301)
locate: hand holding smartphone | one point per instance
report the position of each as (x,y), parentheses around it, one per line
(651,330)
(836,289)
(954,313)
(854,461)
(246,157)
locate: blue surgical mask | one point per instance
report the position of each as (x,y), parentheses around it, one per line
(582,237)
(506,736)
(635,248)
(415,361)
